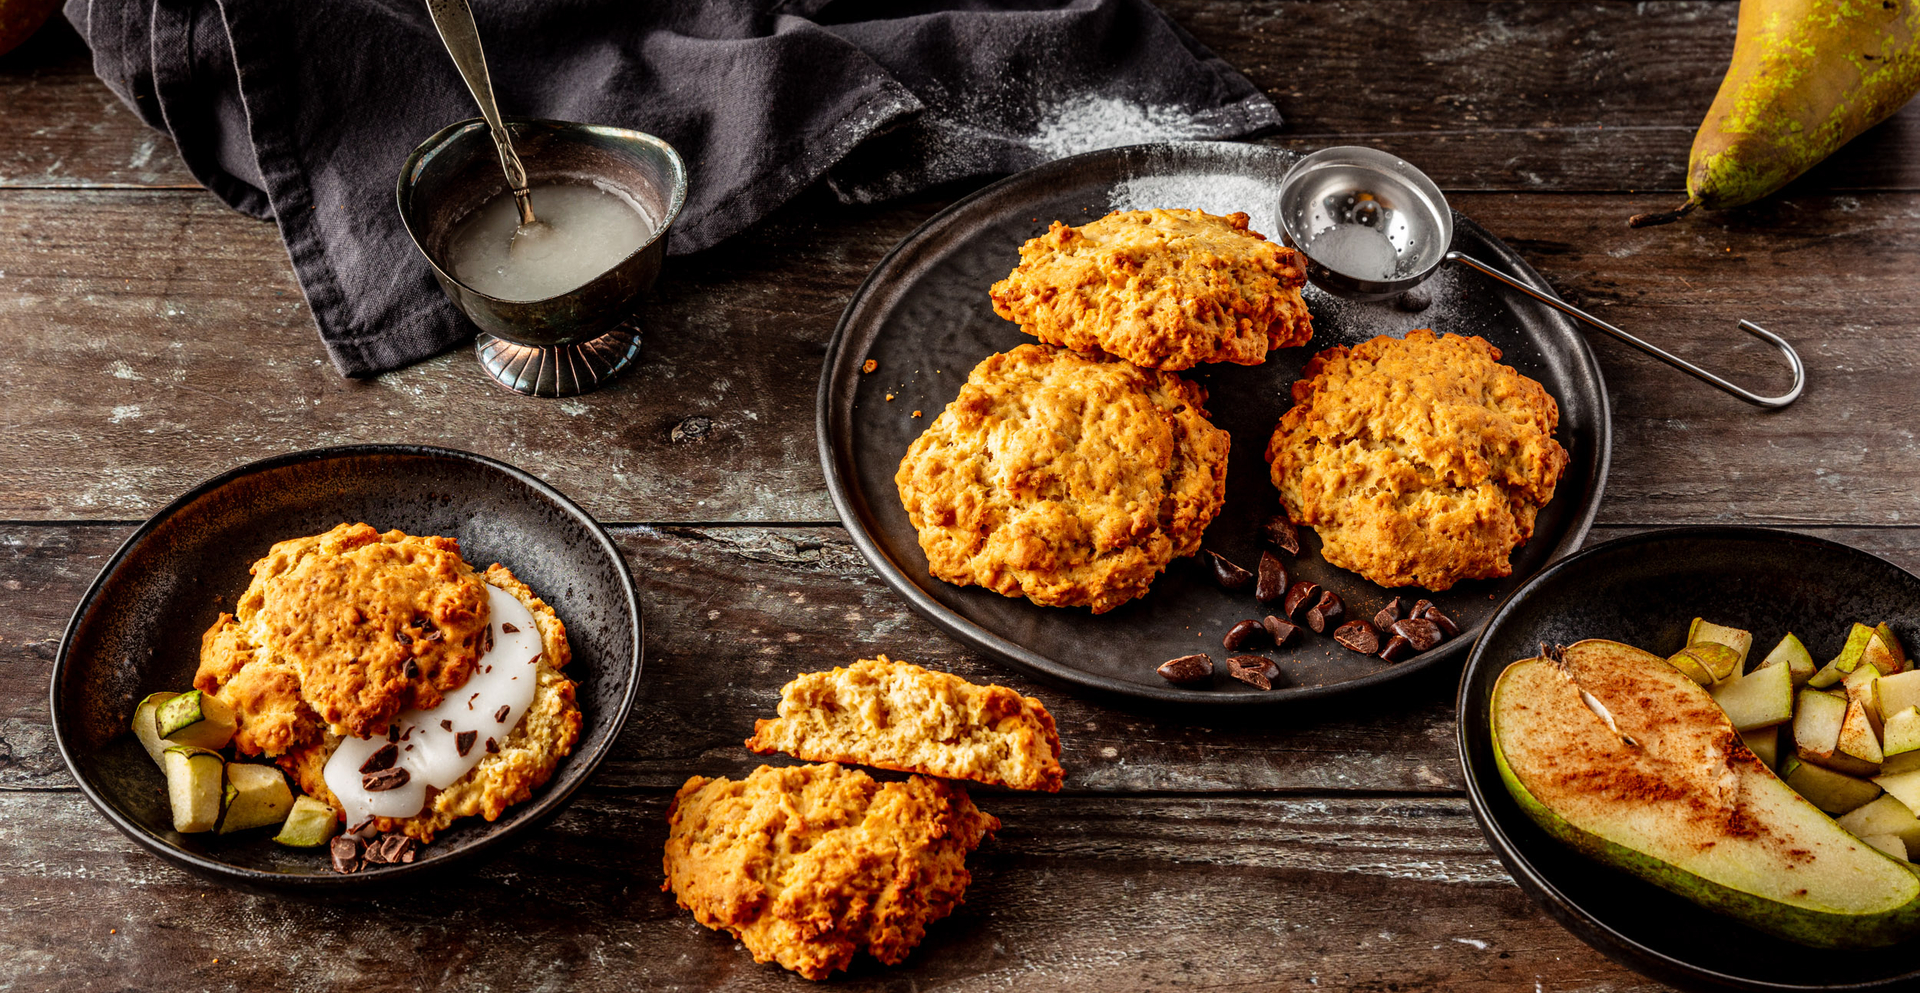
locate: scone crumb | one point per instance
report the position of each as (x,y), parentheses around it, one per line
(869,365)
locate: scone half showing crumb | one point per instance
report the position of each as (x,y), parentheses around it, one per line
(1419,461)
(808,865)
(899,716)
(1069,479)
(1166,289)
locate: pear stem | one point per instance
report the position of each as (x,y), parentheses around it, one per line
(1663,216)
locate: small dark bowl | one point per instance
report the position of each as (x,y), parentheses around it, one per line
(1643,590)
(457,170)
(137,630)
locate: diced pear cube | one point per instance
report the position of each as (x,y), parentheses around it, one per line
(197,719)
(1900,734)
(1794,655)
(1816,724)
(1863,687)
(1889,843)
(1719,660)
(1849,657)
(1834,792)
(1857,740)
(1885,815)
(1762,698)
(1764,743)
(1720,634)
(1884,652)
(194,779)
(256,796)
(313,823)
(1898,692)
(147,730)
(1905,787)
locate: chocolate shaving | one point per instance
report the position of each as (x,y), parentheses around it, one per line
(509,627)
(470,701)
(362,826)
(393,732)
(419,620)
(534,661)
(402,637)
(446,725)
(345,852)
(435,635)
(407,734)
(464,741)
(493,747)
(413,669)
(409,748)
(486,640)
(383,758)
(500,716)
(384,780)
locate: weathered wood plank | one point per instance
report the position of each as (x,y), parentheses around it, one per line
(1075,894)
(1526,96)
(156,339)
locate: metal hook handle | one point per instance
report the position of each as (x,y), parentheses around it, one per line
(1793,357)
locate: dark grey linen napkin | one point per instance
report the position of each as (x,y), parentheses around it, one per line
(302,113)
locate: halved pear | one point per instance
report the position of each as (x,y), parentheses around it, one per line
(1761,698)
(1634,764)
(147,730)
(1794,655)
(1884,815)
(1720,634)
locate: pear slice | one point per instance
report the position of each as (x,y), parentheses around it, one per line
(1761,698)
(197,719)
(1794,655)
(313,823)
(256,796)
(147,730)
(1660,788)
(1900,734)
(1883,651)
(1816,724)
(1720,634)
(193,787)
(1833,792)
(1884,815)
(1764,743)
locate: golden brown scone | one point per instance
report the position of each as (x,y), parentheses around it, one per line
(1166,289)
(370,624)
(546,734)
(1069,479)
(1420,462)
(809,864)
(896,715)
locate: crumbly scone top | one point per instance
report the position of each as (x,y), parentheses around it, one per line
(1420,461)
(1166,289)
(1069,479)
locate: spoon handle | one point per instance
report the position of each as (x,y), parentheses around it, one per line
(454,20)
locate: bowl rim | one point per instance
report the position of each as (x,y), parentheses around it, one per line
(535,811)
(1619,947)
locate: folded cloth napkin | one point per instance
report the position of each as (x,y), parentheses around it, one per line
(303,113)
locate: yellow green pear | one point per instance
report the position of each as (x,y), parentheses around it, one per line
(1807,76)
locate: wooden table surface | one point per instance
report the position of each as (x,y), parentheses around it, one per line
(150,338)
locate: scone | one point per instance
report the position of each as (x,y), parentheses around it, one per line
(809,864)
(1420,462)
(1069,479)
(894,715)
(1165,289)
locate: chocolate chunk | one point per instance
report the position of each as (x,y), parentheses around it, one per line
(1387,615)
(1442,621)
(382,758)
(464,741)
(1298,596)
(1420,608)
(1423,633)
(393,732)
(446,725)
(1282,534)
(493,747)
(1241,633)
(420,620)
(1187,670)
(1278,630)
(435,635)
(486,639)
(1227,574)
(500,716)
(413,669)
(509,627)
(403,638)
(392,846)
(1273,579)
(346,853)
(408,733)
(384,780)
(1397,648)
(1326,615)
(1256,670)
(362,826)
(1358,636)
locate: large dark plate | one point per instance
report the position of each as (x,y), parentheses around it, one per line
(1643,590)
(137,630)
(924,317)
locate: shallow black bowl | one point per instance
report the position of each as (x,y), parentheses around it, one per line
(137,630)
(1643,590)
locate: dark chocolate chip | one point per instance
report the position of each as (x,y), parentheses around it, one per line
(1278,630)
(382,758)
(384,780)
(446,725)
(1420,608)
(464,741)
(1397,648)
(1227,574)
(419,620)
(1297,597)
(500,716)
(1423,633)
(509,627)
(403,638)
(1358,636)
(486,639)
(408,733)
(1327,614)
(413,669)
(1387,615)
(393,732)
(406,854)
(1257,670)
(493,747)
(1273,579)
(362,826)
(1443,622)
(1282,534)
(435,635)
(346,853)
(1241,633)
(1187,670)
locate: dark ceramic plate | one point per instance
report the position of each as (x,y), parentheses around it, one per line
(923,316)
(137,630)
(1643,590)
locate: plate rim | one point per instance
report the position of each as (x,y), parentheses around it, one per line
(542,808)
(1620,948)
(840,484)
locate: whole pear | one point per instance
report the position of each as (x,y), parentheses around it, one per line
(1807,76)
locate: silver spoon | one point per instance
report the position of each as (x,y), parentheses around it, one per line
(454,20)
